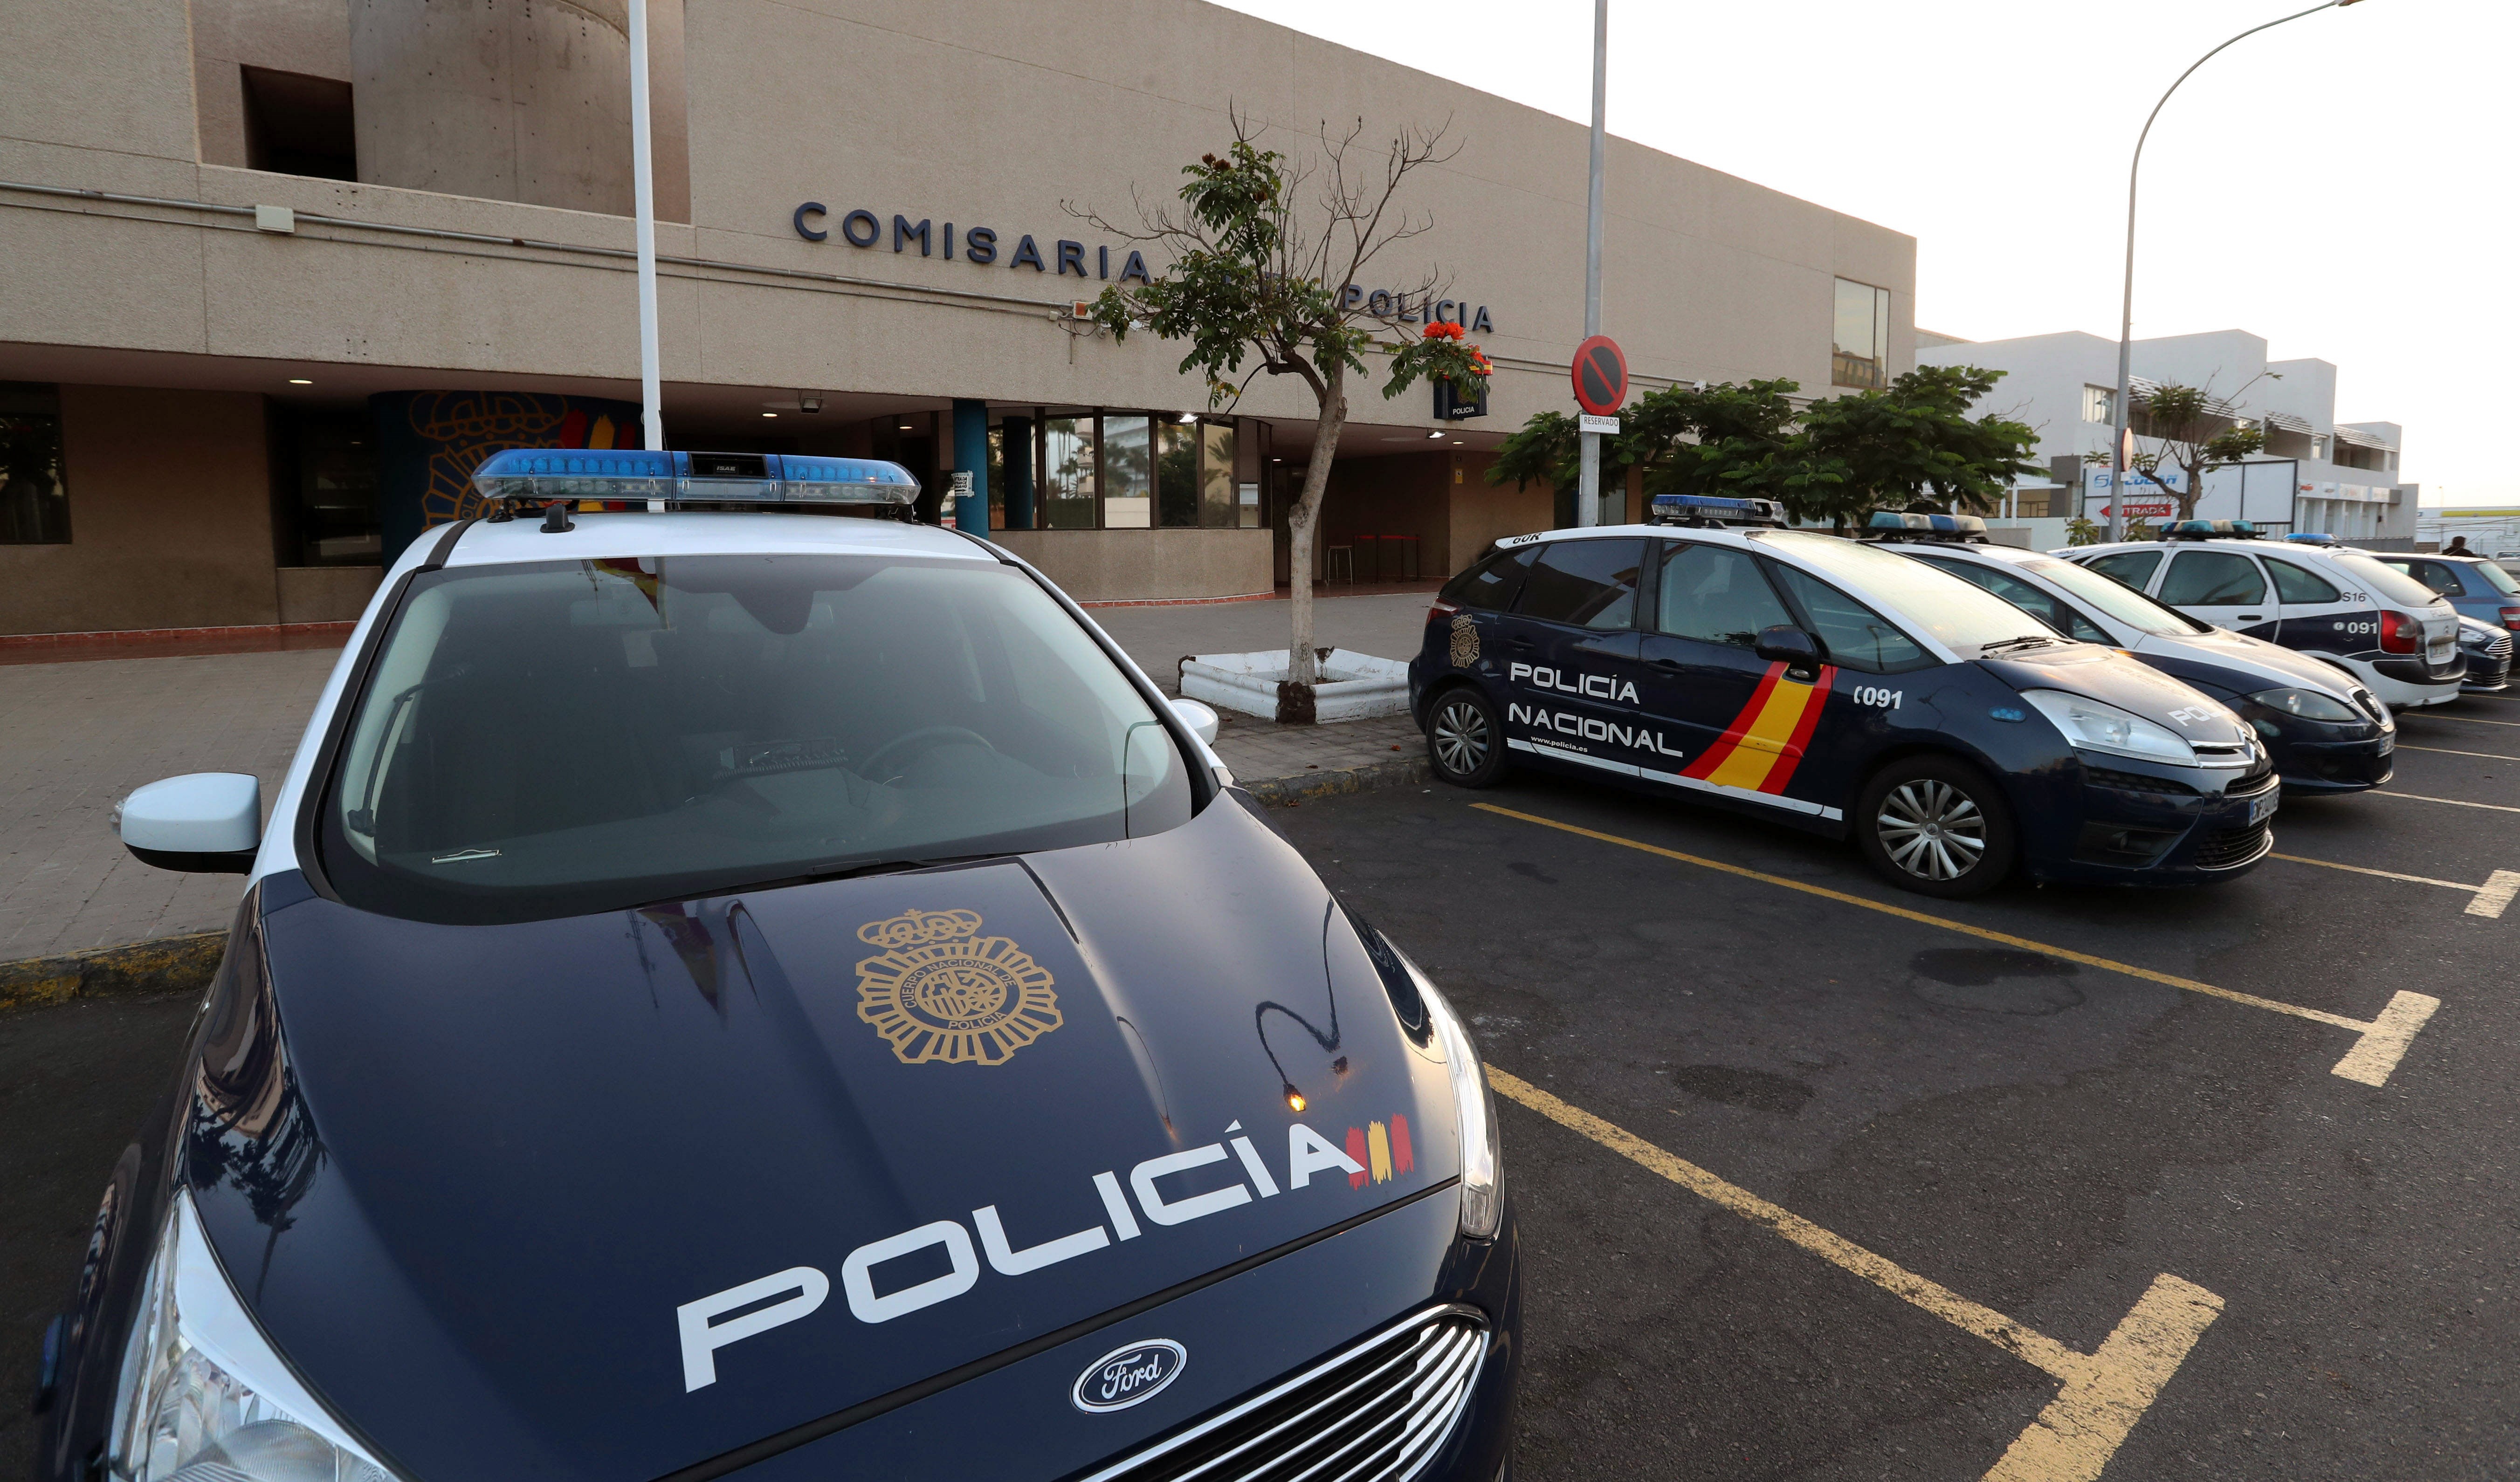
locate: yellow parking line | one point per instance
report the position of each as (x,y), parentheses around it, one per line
(2491,898)
(2455,802)
(2105,1392)
(2376,1052)
(2492,756)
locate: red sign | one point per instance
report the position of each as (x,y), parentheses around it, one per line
(1601,375)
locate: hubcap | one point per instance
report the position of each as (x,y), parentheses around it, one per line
(1460,737)
(1931,830)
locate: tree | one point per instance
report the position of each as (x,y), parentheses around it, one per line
(1721,440)
(2194,431)
(1912,440)
(1266,256)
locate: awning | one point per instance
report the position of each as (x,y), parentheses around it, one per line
(2289,423)
(2363,440)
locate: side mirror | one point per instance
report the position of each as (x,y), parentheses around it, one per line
(1790,647)
(1201,719)
(206,823)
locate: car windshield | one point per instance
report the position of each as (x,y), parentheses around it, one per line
(2397,586)
(2114,598)
(2495,577)
(565,737)
(1964,615)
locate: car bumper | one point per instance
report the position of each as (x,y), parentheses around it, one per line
(2351,766)
(2485,676)
(2138,826)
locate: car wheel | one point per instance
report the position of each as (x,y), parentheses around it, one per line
(1463,741)
(1936,826)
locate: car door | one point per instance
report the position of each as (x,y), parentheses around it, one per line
(1570,659)
(1705,686)
(2318,616)
(2225,588)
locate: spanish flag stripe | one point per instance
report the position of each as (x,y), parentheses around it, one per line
(1713,756)
(1801,742)
(1764,745)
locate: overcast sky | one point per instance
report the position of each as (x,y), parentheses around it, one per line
(2342,186)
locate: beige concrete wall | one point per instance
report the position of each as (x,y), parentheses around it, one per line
(1138,565)
(307,36)
(170,518)
(326,594)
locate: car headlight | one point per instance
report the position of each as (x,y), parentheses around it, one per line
(1473,1112)
(2092,725)
(2308,705)
(204,1397)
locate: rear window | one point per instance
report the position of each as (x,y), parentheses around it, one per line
(1491,585)
(1590,583)
(2497,578)
(2134,568)
(2395,586)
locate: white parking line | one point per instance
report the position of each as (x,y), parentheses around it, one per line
(2469,720)
(2105,1392)
(2492,756)
(2455,802)
(2491,898)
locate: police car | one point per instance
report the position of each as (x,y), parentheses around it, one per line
(729,990)
(1841,687)
(2325,731)
(2337,605)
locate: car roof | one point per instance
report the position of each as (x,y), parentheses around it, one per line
(598,536)
(2010,554)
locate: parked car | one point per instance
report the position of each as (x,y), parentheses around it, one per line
(2326,732)
(2488,656)
(2478,588)
(1833,685)
(779,991)
(2390,632)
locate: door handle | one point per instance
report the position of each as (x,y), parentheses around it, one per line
(2251,617)
(1666,665)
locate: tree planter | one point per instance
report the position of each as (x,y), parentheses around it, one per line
(1352,685)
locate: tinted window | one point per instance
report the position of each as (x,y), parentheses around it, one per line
(566,736)
(1716,594)
(2439,575)
(2299,583)
(1491,585)
(2395,586)
(1924,601)
(2496,578)
(2134,568)
(2211,579)
(1591,583)
(2035,601)
(1850,633)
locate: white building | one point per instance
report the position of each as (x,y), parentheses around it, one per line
(2317,474)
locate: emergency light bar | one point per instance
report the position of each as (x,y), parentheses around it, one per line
(1709,509)
(2312,539)
(1891,523)
(633,474)
(2212,529)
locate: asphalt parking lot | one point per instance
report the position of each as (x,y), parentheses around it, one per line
(1818,1189)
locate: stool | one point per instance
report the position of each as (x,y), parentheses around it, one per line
(1330,565)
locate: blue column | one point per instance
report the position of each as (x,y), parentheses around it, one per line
(1017,432)
(972,452)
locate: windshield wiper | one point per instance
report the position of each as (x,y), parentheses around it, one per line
(2014,642)
(835,872)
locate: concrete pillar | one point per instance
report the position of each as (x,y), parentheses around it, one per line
(526,102)
(971,453)
(1017,432)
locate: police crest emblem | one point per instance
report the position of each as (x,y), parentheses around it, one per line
(937,990)
(1465,642)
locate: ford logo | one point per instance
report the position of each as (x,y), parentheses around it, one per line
(1129,1376)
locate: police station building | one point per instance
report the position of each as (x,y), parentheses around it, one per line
(276,274)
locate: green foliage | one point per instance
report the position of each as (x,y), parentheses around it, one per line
(2081,533)
(2190,436)
(1913,439)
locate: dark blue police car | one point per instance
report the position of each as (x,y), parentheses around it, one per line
(1840,688)
(778,995)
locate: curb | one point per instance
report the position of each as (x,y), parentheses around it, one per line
(1289,792)
(165,965)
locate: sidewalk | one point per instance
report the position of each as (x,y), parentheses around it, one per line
(76,737)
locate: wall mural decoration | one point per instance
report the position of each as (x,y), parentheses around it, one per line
(429,442)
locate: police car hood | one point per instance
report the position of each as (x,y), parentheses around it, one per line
(2116,679)
(503,1167)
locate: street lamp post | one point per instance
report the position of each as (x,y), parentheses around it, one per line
(2126,313)
(1588,486)
(651,412)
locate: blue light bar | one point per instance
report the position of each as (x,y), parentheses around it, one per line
(635,474)
(2200,529)
(1892,520)
(2311,539)
(1679,507)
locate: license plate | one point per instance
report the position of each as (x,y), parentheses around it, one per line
(2263,808)
(2438,651)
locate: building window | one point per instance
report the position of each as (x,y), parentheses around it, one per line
(1860,355)
(2319,446)
(1067,469)
(327,466)
(2101,405)
(1216,506)
(1128,471)
(34,506)
(298,125)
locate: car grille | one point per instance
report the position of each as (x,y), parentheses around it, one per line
(2226,848)
(1373,1412)
(2498,648)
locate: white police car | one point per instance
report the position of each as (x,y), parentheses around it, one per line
(2396,635)
(777,993)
